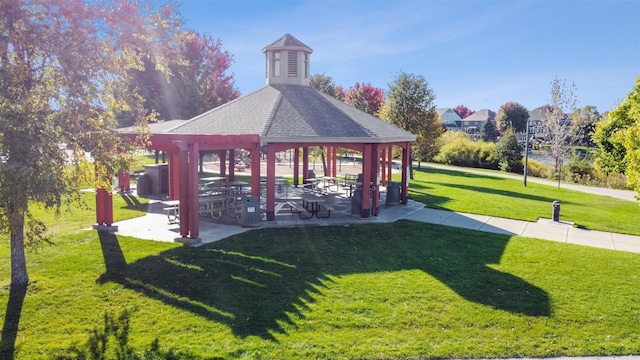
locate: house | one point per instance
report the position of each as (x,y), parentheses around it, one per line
(474,123)
(450,119)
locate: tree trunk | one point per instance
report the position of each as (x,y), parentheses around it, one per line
(19,274)
(324,161)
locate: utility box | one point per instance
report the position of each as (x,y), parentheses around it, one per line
(556,211)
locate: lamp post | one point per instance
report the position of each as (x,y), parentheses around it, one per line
(526,152)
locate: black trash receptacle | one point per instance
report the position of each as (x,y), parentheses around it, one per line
(143,185)
(356,202)
(250,214)
(393,193)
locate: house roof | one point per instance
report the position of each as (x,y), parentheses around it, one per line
(448,116)
(481,115)
(288,113)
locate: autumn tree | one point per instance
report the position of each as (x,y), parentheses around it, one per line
(365,97)
(197,79)
(325,84)
(512,115)
(63,76)
(556,123)
(463,111)
(410,106)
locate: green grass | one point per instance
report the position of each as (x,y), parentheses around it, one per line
(489,195)
(402,290)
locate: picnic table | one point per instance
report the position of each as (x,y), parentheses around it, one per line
(313,204)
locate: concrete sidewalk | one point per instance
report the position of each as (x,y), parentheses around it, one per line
(154,225)
(544,229)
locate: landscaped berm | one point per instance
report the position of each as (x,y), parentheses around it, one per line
(397,290)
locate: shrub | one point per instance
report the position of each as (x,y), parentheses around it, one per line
(509,153)
(539,169)
(459,150)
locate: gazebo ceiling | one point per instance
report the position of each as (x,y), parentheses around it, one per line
(289,114)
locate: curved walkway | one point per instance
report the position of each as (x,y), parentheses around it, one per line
(618,194)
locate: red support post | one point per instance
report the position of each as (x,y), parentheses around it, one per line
(223,162)
(232,165)
(255,171)
(390,162)
(296,167)
(365,208)
(194,225)
(383,167)
(405,173)
(271,183)
(124,181)
(375,168)
(174,175)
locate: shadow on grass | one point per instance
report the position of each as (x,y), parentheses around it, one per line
(257,281)
(132,202)
(511,194)
(11,321)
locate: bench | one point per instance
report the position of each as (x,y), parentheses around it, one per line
(326,207)
(172,214)
(294,207)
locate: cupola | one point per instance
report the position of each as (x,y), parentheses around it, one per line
(287,62)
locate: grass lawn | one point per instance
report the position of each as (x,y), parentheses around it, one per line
(402,290)
(508,198)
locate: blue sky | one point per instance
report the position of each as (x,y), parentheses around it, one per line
(477,53)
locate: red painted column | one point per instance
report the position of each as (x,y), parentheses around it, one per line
(183,170)
(271,183)
(335,162)
(365,209)
(174,176)
(255,171)
(404,193)
(223,162)
(194,225)
(305,164)
(375,168)
(383,166)
(124,181)
(390,162)
(232,165)
(104,207)
(296,167)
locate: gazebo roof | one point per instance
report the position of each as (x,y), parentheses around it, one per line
(292,114)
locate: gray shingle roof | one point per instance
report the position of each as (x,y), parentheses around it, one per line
(291,113)
(481,115)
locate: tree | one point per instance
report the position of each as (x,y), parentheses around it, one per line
(618,137)
(489,131)
(463,111)
(63,69)
(366,98)
(325,84)
(197,80)
(512,115)
(609,134)
(410,106)
(509,152)
(582,125)
(555,121)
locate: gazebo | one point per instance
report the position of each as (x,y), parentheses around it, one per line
(285,114)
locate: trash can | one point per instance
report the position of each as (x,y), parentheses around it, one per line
(143,185)
(556,211)
(356,202)
(250,212)
(393,193)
